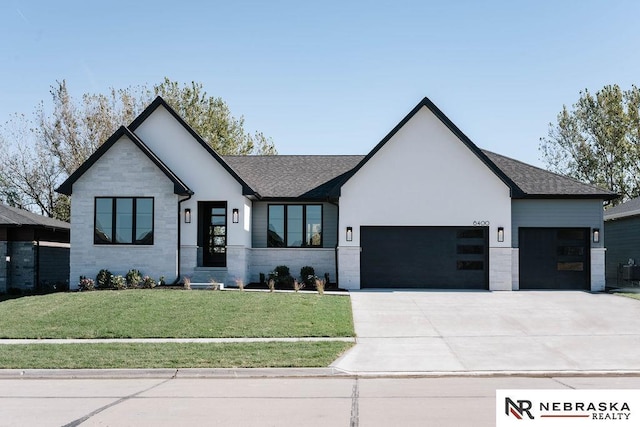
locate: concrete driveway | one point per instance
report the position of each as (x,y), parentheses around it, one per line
(526,331)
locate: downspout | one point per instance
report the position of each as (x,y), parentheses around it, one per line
(179,236)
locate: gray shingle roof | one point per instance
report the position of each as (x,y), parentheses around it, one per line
(292,176)
(14,217)
(315,176)
(628,208)
(534,181)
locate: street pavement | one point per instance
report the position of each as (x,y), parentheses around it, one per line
(409,331)
(288,401)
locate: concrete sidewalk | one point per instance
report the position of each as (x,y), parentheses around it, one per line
(414,332)
(18,341)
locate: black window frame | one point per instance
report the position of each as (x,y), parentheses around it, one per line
(134,241)
(304,223)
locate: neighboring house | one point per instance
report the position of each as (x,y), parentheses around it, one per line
(425,208)
(34,249)
(622,231)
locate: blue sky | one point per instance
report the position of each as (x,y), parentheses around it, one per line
(333,77)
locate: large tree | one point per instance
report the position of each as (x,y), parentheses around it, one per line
(598,140)
(39,153)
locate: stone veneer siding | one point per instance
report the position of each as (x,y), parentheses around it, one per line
(124,171)
(265,260)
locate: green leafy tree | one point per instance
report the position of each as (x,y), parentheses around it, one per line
(212,119)
(39,153)
(598,140)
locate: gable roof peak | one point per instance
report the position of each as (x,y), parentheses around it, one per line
(159,101)
(426,102)
(67,186)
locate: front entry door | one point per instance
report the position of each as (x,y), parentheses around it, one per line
(213,230)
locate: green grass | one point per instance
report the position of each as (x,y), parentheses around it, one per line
(170,355)
(635,296)
(175,314)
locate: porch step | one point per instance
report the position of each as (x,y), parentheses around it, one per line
(205,274)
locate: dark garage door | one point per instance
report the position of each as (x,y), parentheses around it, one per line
(424,257)
(554,258)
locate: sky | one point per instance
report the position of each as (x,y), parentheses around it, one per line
(332,77)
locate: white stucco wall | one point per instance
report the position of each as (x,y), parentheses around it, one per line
(206,177)
(424,176)
(123,171)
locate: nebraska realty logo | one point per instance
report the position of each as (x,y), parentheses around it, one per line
(567,408)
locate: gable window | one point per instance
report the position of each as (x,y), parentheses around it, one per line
(123,221)
(292,226)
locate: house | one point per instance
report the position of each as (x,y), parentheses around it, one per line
(622,231)
(35,251)
(425,208)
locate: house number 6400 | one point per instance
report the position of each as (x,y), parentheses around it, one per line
(481,223)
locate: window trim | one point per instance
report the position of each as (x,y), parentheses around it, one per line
(306,244)
(114,199)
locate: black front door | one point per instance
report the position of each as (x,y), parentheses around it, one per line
(212,217)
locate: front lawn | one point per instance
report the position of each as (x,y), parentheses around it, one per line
(161,313)
(171,355)
(636,296)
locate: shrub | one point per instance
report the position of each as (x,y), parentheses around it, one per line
(148,282)
(282,276)
(240,284)
(119,282)
(308,275)
(104,278)
(272,285)
(86,284)
(187,283)
(320,286)
(161,281)
(282,271)
(133,278)
(296,285)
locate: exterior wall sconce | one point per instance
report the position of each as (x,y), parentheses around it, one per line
(596,235)
(187,215)
(349,234)
(500,234)
(7,258)
(235,216)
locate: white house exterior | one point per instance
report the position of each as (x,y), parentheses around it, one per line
(425,208)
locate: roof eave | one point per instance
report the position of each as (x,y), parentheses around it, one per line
(604,196)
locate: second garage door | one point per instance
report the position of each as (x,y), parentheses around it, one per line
(554,258)
(424,257)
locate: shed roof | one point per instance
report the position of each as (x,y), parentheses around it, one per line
(623,210)
(14,217)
